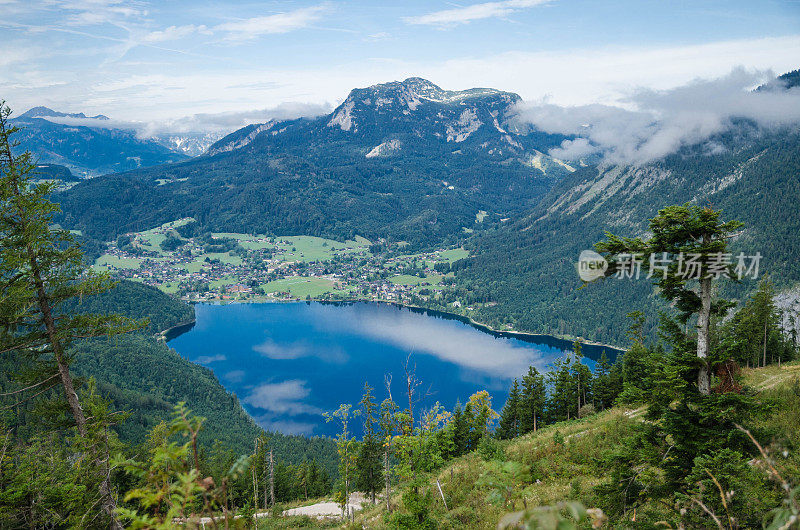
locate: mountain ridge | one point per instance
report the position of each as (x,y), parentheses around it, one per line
(385,163)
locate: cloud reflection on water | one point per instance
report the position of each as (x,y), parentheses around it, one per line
(446,340)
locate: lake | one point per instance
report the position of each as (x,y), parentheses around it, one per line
(290,362)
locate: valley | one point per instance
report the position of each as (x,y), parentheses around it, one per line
(292,284)
(252,268)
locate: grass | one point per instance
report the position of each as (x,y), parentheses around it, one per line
(453,254)
(106,261)
(405,279)
(771,376)
(300,286)
(310,248)
(225,280)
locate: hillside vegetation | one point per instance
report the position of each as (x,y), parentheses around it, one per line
(566,461)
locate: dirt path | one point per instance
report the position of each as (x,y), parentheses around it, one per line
(328,509)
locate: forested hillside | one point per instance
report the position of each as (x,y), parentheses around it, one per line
(142,376)
(528,266)
(403,161)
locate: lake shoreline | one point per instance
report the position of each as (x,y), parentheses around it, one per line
(486,328)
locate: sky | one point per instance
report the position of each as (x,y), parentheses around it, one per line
(206,65)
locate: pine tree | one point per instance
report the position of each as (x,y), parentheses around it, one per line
(532,401)
(562,397)
(369,476)
(508,426)
(681,233)
(460,427)
(41,268)
(607,382)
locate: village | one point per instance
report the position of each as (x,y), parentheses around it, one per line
(242,267)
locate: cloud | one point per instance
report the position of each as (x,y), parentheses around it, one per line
(251,28)
(208,359)
(174,33)
(234,376)
(96,12)
(289,427)
(284,398)
(222,122)
(649,124)
(298,350)
(465,15)
(463,346)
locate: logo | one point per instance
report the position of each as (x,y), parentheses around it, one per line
(591,266)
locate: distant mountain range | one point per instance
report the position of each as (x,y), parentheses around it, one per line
(402,160)
(408,161)
(88,151)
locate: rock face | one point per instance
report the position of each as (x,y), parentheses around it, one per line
(404,160)
(419,115)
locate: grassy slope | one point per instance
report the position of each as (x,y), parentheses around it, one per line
(535,470)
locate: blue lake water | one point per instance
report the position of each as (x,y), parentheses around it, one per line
(290,362)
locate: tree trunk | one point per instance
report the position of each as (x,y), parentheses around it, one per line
(58,351)
(108,503)
(765,339)
(386,481)
(703,318)
(271,479)
(255,475)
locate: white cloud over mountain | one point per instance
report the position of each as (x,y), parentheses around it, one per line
(649,124)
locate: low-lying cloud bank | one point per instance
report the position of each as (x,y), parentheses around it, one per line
(650,124)
(222,122)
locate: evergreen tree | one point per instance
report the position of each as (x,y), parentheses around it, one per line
(683,235)
(753,336)
(41,269)
(508,426)
(459,425)
(561,400)
(532,401)
(369,475)
(584,385)
(608,382)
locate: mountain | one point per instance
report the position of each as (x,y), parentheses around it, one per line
(402,160)
(528,266)
(87,150)
(190,144)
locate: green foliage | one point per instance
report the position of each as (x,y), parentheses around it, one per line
(172,243)
(369,468)
(563,516)
(727,485)
(415,515)
(532,401)
(55,481)
(490,449)
(753,335)
(509,423)
(134,300)
(170,486)
(346,447)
